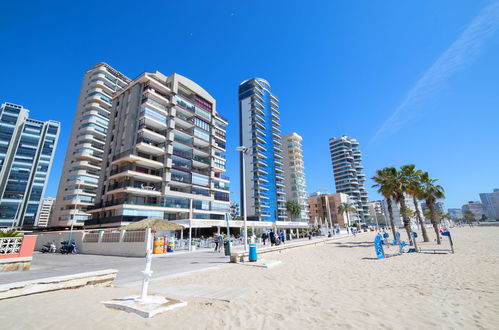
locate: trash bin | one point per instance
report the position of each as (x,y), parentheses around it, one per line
(253,255)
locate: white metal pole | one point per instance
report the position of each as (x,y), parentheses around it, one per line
(244,201)
(147,272)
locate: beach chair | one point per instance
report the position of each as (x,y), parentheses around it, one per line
(451,250)
(380,252)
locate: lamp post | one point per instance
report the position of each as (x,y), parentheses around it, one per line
(17,212)
(244,151)
(78,182)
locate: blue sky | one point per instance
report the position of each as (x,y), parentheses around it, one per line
(414,82)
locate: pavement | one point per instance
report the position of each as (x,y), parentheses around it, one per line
(130,268)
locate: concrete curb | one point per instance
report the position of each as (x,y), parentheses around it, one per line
(18,289)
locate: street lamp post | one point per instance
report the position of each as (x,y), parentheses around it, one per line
(14,221)
(244,151)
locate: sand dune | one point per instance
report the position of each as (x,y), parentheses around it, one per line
(332,285)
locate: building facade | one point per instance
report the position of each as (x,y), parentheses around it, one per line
(45,213)
(439,208)
(234,210)
(377,213)
(455,213)
(490,202)
(27,150)
(323,210)
(397,216)
(476,208)
(264,173)
(164,156)
(294,173)
(80,174)
(348,172)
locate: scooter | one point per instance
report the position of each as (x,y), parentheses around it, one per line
(49,247)
(67,249)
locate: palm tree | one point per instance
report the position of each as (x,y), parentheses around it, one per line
(414,189)
(385,182)
(469,216)
(293,209)
(346,208)
(432,192)
(399,191)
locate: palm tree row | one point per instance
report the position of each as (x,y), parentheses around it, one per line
(394,184)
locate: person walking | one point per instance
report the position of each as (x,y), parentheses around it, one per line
(264,237)
(215,240)
(221,240)
(272,238)
(283,236)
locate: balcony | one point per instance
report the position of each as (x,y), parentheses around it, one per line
(185,105)
(280,192)
(87,155)
(184,121)
(200,162)
(140,159)
(149,147)
(136,188)
(131,172)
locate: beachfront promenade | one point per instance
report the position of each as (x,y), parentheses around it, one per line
(335,284)
(50,265)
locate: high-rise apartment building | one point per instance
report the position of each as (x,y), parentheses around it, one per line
(234,210)
(348,175)
(27,148)
(376,212)
(397,216)
(164,154)
(476,208)
(490,203)
(45,213)
(324,209)
(455,213)
(80,174)
(294,173)
(264,173)
(438,206)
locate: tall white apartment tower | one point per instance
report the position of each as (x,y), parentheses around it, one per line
(294,173)
(164,156)
(348,175)
(80,174)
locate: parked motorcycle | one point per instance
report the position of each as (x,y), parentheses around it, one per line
(49,247)
(68,248)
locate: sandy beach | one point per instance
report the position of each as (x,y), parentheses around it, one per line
(338,284)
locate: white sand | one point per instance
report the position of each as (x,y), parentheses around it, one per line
(332,285)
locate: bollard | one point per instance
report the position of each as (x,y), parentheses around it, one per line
(253,255)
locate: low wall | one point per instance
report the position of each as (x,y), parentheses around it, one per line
(16,253)
(109,243)
(18,289)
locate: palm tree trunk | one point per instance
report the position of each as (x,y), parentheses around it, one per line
(420,220)
(390,213)
(434,221)
(407,221)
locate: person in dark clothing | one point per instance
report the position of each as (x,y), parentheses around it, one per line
(264,237)
(272,238)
